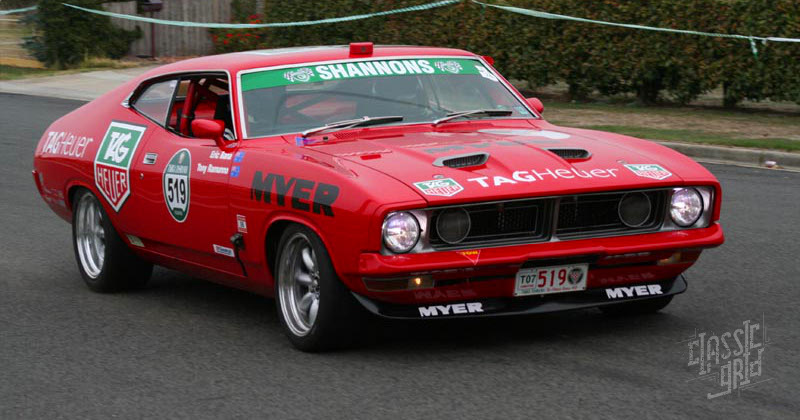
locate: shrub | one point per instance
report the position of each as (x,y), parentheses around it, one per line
(588,57)
(66,36)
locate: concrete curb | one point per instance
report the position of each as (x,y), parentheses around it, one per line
(740,155)
(80,86)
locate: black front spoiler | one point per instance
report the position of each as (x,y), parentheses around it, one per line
(589,298)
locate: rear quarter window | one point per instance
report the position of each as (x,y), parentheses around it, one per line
(155,100)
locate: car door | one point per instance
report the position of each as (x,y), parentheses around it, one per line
(180,182)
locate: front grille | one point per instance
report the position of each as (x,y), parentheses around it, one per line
(506,222)
(597,214)
(538,220)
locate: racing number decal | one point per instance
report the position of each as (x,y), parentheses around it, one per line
(113,161)
(176,184)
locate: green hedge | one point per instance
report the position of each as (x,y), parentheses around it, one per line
(588,57)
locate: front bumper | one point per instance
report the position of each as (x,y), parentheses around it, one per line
(589,298)
(377,265)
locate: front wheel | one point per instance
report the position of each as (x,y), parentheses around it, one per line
(316,310)
(104,260)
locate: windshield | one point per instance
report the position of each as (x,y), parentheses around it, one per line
(420,90)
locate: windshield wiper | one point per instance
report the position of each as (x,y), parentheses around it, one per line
(482,112)
(358,122)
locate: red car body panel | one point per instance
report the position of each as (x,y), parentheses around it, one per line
(372,171)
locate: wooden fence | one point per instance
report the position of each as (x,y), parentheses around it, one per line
(174,41)
(12,33)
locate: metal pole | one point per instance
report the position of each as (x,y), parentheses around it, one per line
(152,38)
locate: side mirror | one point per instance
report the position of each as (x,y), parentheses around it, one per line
(536,104)
(210,129)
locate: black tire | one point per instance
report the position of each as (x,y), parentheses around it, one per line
(118,269)
(641,307)
(338,316)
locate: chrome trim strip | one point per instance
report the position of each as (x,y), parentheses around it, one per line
(150,158)
(231,86)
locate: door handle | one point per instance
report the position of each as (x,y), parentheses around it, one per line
(150,158)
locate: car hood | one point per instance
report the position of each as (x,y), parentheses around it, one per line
(521,161)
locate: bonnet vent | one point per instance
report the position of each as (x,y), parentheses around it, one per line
(570,153)
(462,161)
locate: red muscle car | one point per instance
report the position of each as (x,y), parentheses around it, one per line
(408,182)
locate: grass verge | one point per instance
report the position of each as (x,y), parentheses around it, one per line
(92,64)
(13,72)
(692,136)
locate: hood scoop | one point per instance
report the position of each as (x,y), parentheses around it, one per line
(462,161)
(570,153)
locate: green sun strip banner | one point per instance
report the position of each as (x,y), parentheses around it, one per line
(366,68)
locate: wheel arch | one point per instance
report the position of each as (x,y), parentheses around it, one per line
(275,228)
(72,188)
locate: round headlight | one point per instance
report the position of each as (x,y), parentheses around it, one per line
(634,209)
(453,225)
(400,232)
(686,206)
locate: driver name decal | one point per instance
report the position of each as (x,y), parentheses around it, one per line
(113,161)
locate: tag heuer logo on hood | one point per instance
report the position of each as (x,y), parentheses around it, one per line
(300,75)
(649,171)
(442,187)
(449,66)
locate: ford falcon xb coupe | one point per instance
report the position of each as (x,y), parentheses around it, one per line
(406,182)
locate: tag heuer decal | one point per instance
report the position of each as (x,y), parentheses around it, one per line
(177,194)
(649,170)
(446,187)
(112,163)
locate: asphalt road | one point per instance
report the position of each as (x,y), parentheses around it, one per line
(188,348)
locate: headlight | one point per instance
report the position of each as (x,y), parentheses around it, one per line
(686,206)
(634,209)
(400,232)
(453,225)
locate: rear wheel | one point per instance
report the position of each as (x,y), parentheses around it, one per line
(646,306)
(104,260)
(316,310)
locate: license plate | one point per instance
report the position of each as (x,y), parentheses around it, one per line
(554,279)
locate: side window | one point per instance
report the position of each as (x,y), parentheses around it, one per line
(201,97)
(155,100)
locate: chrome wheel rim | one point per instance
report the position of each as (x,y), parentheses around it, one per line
(298,285)
(90,237)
